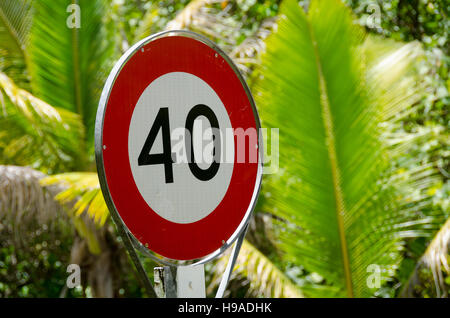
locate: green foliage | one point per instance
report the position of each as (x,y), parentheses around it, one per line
(433,262)
(44,125)
(15,22)
(69,67)
(363,126)
(426,21)
(265,279)
(83,188)
(39,269)
(338,191)
(35,133)
(239,27)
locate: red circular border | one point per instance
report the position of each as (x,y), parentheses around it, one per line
(169,239)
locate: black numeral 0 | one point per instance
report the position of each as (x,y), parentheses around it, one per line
(203,110)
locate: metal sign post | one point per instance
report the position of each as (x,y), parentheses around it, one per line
(179,157)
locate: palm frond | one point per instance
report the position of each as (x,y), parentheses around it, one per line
(68,65)
(434,259)
(147,25)
(181,20)
(79,192)
(399,61)
(84,189)
(216,20)
(338,190)
(264,277)
(246,54)
(14,24)
(25,202)
(35,133)
(23,199)
(15,21)
(189,15)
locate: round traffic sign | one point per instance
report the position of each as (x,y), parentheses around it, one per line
(177,146)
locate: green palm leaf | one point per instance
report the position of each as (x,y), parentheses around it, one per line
(15,21)
(82,188)
(435,259)
(24,203)
(35,133)
(68,65)
(337,190)
(14,24)
(265,278)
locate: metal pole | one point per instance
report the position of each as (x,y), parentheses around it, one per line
(137,263)
(165,284)
(187,282)
(134,257)
(230,265)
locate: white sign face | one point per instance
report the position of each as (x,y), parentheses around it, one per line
(159,147)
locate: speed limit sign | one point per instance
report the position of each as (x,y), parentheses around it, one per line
(177,146)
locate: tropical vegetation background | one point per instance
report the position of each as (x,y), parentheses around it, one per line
(358,89)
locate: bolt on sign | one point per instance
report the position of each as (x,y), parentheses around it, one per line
(178,147)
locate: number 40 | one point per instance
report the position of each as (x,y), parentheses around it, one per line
(165,158)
